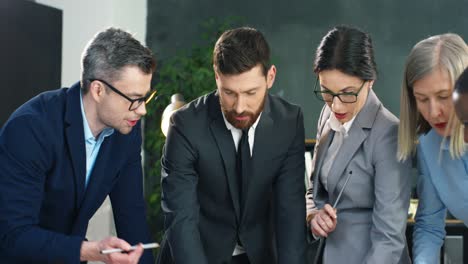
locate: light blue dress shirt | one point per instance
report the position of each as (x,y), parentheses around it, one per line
(92,144)
(442,185)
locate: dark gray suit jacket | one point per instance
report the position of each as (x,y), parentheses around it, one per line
(200,196)
(373,208)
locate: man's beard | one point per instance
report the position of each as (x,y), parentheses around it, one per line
(242,124)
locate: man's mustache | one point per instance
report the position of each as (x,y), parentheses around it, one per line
(245,113)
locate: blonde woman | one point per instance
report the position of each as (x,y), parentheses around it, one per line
(431,70)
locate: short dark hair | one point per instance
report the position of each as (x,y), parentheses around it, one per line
(109,52)
(239,50)
(461,86)
(348,50)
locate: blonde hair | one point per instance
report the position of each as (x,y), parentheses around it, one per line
(447,52)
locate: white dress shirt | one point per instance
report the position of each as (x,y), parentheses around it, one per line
(341,132)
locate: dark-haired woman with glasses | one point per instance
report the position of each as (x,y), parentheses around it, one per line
(358,199)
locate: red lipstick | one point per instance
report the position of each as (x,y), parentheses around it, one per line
(340,116)
(441,125)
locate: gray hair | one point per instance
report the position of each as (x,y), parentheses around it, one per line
(109,52)
(447,51)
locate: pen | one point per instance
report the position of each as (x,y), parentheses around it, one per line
(342,189)
(116,250)
(320,249)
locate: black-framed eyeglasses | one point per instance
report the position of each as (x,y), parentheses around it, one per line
(134,103)
(328,96)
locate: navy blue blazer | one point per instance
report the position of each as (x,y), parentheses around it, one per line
(44,206)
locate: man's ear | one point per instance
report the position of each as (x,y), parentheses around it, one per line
(271,75)
(96,90)
(215,73)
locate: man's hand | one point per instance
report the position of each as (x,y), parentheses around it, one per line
(324,221)
(91,251)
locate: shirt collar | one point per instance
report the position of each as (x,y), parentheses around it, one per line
(87,130)
(336,125)
(230,126)
(445,143)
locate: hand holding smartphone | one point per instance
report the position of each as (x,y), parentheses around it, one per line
(115,250)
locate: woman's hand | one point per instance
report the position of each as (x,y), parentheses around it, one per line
(324,221)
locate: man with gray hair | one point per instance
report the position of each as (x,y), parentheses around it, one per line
(64,151)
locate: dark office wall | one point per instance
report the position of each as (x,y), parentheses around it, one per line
(30,52)
(294,30)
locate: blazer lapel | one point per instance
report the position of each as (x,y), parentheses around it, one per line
(350,145)
(323,142)
(322,147)
(259,152)
(74,133)
(226,147)
(94,196)
(356,136)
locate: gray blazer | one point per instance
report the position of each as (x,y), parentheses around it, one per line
(372,210)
